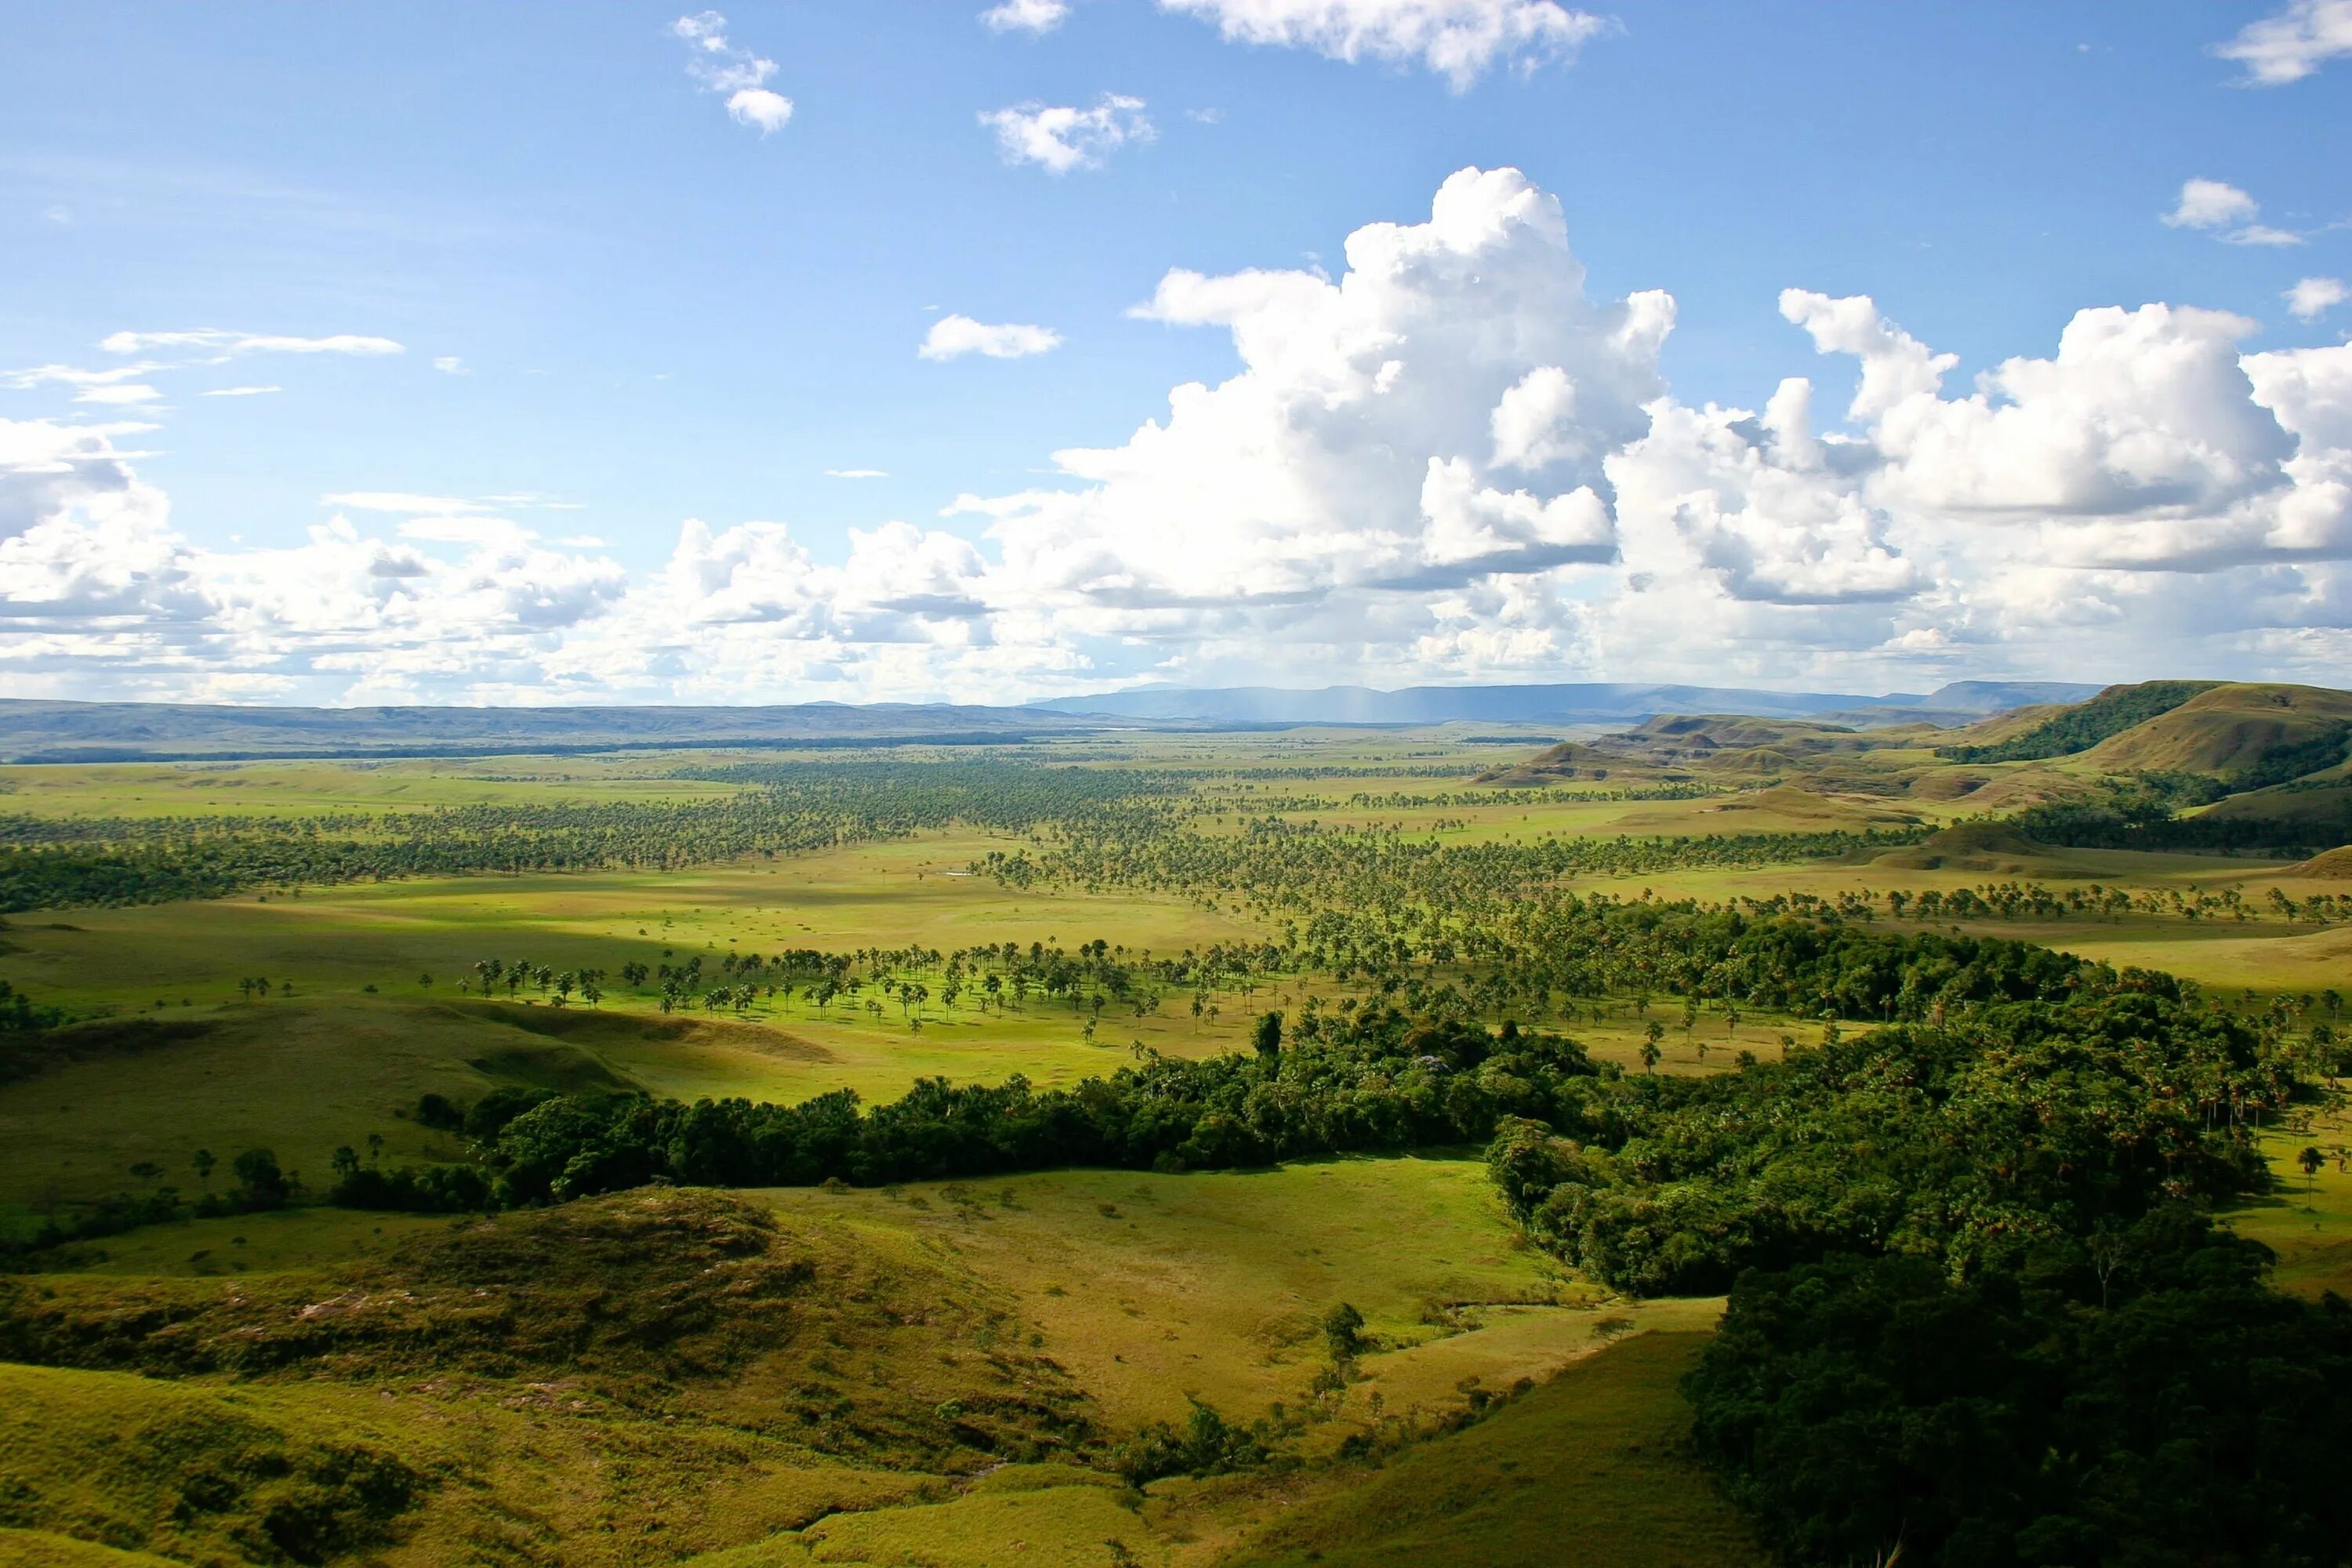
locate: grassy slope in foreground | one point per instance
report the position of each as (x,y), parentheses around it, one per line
(533,1429)
(1587,1471)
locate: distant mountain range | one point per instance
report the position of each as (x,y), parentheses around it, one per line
(105,731)
(35,732)
(1598,702)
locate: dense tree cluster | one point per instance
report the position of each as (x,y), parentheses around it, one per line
(1350,1079)
(2145,821)
(2096,900)
(2143,1399)
(1992,1016)
(2005,1128)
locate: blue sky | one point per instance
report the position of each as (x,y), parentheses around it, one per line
(609,293)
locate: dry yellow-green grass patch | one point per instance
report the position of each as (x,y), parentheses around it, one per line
(40,1549)
(1156,1290)
(1589,1470)
(2307,1221)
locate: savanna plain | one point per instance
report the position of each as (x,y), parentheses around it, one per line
(1713,1142)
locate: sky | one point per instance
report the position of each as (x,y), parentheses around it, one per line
(918,350)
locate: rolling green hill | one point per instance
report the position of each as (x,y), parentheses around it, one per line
(2082,726)
(2247,736)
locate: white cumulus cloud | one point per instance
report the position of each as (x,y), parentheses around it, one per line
(952,337)
(1025,15)
(2211,203)
(2146,443)
(2294,43)
(2217,205)
(1060,139)
(2313,298)
(1445,460)
(1339,479)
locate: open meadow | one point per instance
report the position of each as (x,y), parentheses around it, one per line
(1215,1183)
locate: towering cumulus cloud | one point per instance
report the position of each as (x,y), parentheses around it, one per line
(1449,462)
(1430,423)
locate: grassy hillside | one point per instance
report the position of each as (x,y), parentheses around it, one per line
(1590,1470)
(925,1376)
(1154,1290)
(2246,735)
(2079,728)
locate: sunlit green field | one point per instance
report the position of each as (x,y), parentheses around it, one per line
(1148,1292)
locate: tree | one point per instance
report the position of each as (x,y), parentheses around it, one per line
(1267,1038)
(1651,1054)
(345,1162)
(2311,1159)
(1343,1331)
(263,1184)
(204,1162)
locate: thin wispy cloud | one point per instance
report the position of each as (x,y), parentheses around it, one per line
(1025,15)
(735,74)
(1059,139)
(75,375)
(228,343)
(120,394)
(404,502)
(1459,40)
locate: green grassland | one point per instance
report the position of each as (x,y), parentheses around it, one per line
(1587,1471)
(306,788)
(2309,1220)
(643,1377)
(939,1374)
(1156,1290)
